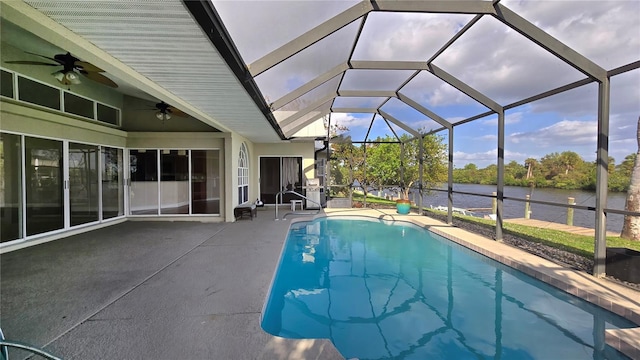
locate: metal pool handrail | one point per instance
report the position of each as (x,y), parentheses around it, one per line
(4,352)
(278,203)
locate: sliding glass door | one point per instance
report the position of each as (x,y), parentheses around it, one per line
(48,185)
(174,182)
(143,193)
(112,183)
(205,182)
(44,185)
(10,187)
(187,183)
(277,174)
(83,183)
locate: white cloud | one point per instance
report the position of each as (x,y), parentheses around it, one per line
(350,121)
(565,132)
(483,159)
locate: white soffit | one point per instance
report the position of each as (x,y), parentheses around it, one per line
(160,40)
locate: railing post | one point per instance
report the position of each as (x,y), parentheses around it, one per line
(494,203)
(527,207)
(571,201)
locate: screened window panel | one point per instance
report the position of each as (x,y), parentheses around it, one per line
(443,99)
(267,35)
(315,60)
(601,44)
(358,102)
(37,93)
(311,115)
(303,102)
(108,114)
(499,64)
(359,79)
(77,105)
(409,116)
(406,36)
(6,84)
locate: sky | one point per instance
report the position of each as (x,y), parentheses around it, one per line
(490,57)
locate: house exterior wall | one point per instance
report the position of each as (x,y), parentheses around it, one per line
(32,120)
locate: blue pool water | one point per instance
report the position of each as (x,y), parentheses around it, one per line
(381,291)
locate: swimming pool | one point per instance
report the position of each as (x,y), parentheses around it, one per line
(379,290)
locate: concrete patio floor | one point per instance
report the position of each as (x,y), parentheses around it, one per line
(190,290)
(151,290)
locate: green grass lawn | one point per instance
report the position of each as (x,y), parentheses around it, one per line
(577,244)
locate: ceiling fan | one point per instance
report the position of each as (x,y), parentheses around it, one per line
(71,67)
(166,111)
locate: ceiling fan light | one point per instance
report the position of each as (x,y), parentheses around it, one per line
(72,77)
(163,115)
(59,76)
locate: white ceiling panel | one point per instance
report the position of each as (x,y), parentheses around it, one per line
(160,40)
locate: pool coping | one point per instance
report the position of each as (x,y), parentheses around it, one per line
(604,293)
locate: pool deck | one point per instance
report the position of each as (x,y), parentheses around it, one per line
(191,290)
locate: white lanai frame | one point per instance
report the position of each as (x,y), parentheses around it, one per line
(359,12)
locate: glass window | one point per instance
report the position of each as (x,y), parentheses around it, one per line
(174,184)
(83,183)
(243,175)
(44,185)
(10,187)
(144,182)
(112,183)
(205,182)
(38,93)
(77,105)
(6,84)
(108,114)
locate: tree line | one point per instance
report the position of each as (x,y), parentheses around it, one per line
(378,164)
(565,170)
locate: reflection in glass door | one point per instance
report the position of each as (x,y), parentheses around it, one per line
(143,194)
(44,185)
(10,187)
(205,182)
(174,182)
(83,183)
(112,183)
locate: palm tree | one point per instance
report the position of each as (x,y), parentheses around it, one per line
(631,225)
(530,163)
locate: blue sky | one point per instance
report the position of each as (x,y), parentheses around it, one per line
(490,57)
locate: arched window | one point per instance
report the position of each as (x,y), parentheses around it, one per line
(243,175)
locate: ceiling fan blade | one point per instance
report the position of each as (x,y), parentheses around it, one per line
(46,57)
(30,63)
(87,66)
(100,78)
(176,112)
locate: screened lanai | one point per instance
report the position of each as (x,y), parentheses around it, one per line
(499,81)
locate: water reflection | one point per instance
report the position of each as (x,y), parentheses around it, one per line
(379,291)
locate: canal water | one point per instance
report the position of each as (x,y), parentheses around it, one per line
(515,209)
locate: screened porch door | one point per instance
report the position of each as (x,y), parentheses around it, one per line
(276,173)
